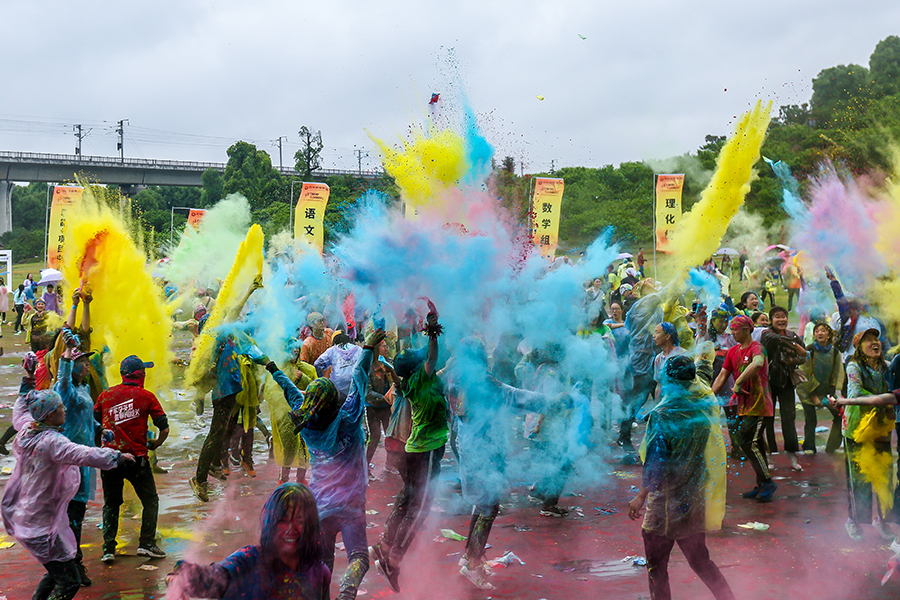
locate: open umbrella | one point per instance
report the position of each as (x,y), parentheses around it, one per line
(624,255)
(50,276)
(779,246)
(726,252)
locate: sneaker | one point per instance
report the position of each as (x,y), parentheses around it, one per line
(883,529)
(220,473)
(895,546)
(770,465)
(477,576)
(3,450)
(534,499)
(83,578)
(625,445)
(795,464)
(248,469)
(108,557)
(201,490)
(554,511)
(752,494)
(766,491)
(153,551)
(392,575)
(854,531)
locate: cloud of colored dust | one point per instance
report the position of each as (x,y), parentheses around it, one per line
(701,230)
(248,264)
(128,313)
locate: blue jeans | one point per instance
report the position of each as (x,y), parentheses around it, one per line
(353,531)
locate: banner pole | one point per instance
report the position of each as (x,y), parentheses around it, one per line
(653,210)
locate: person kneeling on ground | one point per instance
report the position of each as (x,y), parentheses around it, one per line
(287,563)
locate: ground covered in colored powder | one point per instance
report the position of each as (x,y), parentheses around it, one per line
(804,554)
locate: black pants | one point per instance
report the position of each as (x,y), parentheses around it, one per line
(238,442)
(792,293)
(215,439)
(75,511)
(731,420)
(20,310)
(643,387)
(750,430)
(353,533)
(421,470)
(762,299)
(787,410)
(61,581)
(658,548)
(377,420)
(811,420)
(140,475)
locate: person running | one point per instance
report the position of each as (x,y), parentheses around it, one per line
(683,480)
(785,352)
(747,363)
(123,410)
(424,449)
(333,432)
(867,431)
(287,564)
(44,481)
(824,372)
(19,305)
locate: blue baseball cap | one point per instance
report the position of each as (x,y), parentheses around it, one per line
(132,364)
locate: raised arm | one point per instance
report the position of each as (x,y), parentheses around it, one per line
(236,311)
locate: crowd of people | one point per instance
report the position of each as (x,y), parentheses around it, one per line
(690,365)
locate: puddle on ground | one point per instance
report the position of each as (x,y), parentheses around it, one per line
(600,568)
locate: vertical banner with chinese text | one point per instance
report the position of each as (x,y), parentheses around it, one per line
(668,208)
(545,210)
(65,197)
(309,220)
(195,216)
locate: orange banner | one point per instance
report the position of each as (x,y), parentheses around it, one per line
(195,216)
(668,208)
(309,218)
(64,198)
(545,211)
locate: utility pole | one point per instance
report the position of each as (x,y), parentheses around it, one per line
(120,145)
(553,165)
(359,154)
(278,143)
(79,135)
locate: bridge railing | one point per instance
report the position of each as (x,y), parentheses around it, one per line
(152,163)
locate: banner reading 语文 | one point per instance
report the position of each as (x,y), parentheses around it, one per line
(668,208)
(545,211)
(65,197)
(309,219)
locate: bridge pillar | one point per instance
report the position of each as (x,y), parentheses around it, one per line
(6,188)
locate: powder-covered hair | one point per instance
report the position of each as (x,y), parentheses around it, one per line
(287,499)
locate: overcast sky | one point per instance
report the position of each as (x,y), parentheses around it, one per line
(649,80)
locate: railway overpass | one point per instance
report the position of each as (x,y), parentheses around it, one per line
(134,172)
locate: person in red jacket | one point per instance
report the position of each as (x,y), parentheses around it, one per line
(124,409)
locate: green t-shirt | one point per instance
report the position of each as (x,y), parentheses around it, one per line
(429,412)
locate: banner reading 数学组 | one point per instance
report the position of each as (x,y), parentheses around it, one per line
(668,208)
(65,197)
(309,220)
(545,209)
(195,216)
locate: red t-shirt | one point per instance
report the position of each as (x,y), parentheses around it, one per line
(755,399)
(124,410)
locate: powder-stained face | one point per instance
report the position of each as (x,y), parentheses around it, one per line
(288,533)
(822,334)
(741,334)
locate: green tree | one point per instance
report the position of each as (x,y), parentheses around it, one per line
(249,172)
(309,157)
(884,67)
(213,188)
(835,88)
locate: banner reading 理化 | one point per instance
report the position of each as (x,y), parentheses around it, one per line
(65,197)
(309,219)
(668,208)
(195,216)
(545,210)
